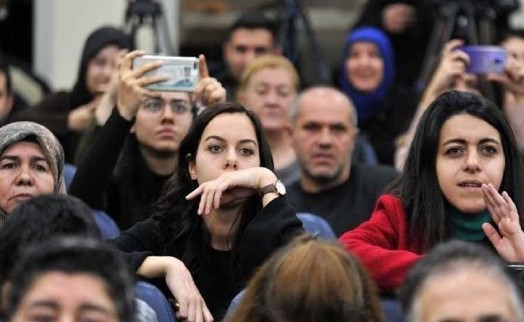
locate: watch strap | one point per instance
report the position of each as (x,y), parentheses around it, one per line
(267,189)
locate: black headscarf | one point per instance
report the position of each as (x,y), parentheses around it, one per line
(96,41)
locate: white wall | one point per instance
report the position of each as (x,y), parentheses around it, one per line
(61,27)
(517,19)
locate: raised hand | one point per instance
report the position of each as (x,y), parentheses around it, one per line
(208,90)
(81,118)
(450,72)
(108,101)
(132,82)
(509,239)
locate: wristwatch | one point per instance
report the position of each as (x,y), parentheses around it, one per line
(278,187)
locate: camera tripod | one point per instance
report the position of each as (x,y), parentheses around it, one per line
(291,13)
(148,12)
(459,19)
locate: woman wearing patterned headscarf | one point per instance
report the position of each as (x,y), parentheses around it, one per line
(367,76)
(31,164)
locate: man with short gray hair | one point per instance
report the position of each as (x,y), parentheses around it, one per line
(331,186)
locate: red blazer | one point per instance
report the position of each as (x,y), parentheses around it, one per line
(382,244)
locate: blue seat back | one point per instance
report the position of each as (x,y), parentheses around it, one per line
(317,226)
(69,173)
(108,227)
(233,305)
(392,309)
(150,294)
(363,151)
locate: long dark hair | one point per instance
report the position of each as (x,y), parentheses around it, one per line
(418,187)
(183,231)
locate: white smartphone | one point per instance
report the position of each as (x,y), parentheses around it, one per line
(182,72)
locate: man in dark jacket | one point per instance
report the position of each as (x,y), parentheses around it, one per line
(331,186)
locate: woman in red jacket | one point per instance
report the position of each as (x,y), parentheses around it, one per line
(463,179)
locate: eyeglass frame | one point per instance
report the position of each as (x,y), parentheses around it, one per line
(190,106)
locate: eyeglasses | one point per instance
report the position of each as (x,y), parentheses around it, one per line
(155,105)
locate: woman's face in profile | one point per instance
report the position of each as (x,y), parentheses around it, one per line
(24,173)
(364,66)
(100,69)
(469,153)
(228,143)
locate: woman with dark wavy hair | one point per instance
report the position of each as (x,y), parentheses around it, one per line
(463,179)
(221,214)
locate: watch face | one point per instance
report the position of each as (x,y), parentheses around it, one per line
(280,188)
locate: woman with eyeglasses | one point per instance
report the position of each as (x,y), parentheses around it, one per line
(137,148)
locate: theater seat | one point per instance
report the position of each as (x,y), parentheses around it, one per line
(317,226)
(392,309)
(150,294)
(69,173)
(106,224)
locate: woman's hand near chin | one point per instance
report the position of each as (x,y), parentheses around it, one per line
(232,185)
(508,238)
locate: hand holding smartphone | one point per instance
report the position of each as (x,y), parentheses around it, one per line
(485,59)
(182,72)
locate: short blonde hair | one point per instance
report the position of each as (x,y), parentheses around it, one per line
(268,61)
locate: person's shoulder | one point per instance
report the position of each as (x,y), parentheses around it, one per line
(389,199)
(391,204)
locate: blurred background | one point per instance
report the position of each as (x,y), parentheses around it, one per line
(46,36)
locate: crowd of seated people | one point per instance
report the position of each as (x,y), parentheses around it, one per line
(204,187)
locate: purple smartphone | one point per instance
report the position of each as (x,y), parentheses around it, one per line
(485,59)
